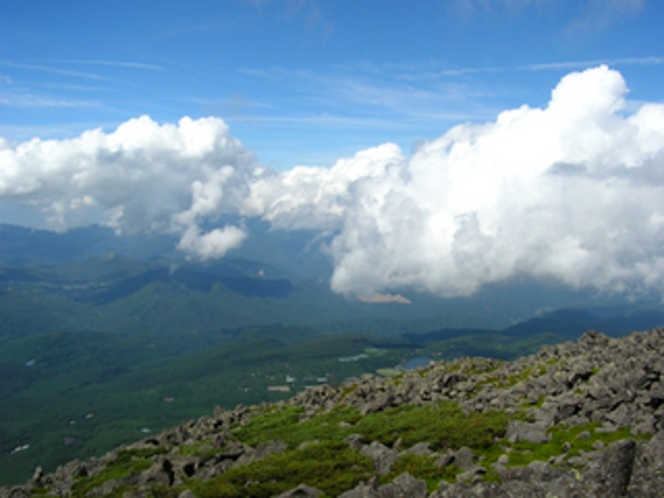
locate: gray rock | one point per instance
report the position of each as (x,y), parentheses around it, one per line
(647,478)
(471,475)
(302,491)
(464,458)
(354,441)
(523,431)
(368,489)
(418,449)
(161,473)
(445,460)
(402,486)
(612,471)
(382,456)
(269,448)
(14,492)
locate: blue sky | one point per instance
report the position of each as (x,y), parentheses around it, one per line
(309,81)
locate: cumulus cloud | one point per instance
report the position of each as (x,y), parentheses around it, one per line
(569,193)
(141,177)
(315,197)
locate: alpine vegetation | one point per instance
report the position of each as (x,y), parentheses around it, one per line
(576,419)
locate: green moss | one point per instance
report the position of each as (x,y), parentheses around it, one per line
(443,425)
(506,381)
(123,466)
(284,425)
(330,466)
(523,452)
(271,424)
(127,455)
(157,491)
(201,448)
(422,467)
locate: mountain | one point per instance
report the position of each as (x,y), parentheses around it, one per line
(72,264)
(103,329)
(577,419)
(117,293)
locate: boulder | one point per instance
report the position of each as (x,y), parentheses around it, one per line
(523,431)
(647,479)
(382,456)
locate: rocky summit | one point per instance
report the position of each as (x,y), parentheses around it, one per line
(576,419)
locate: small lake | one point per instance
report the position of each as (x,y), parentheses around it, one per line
(417,362)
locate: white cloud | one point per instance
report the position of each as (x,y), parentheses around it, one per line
(571,192)
(315,197)
(213,244)
(143,176)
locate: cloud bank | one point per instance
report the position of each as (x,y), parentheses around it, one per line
(569,193)
(142,177)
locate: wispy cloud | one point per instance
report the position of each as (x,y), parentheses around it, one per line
(626,61)
(53,70)
(383,90)
(123,64)
(18,100)
(546,66)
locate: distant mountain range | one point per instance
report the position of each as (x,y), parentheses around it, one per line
(92,323)
(92,279)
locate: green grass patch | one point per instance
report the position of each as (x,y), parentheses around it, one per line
(124,465)
(422,467)
(444,425)
(329,466)
(201,448)
(523,452)
(284,425)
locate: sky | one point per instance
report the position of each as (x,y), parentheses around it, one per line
(441,145)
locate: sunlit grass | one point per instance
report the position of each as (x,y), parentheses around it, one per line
(329,466)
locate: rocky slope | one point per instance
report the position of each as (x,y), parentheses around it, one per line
(578,419)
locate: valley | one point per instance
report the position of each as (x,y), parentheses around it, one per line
(100,348)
